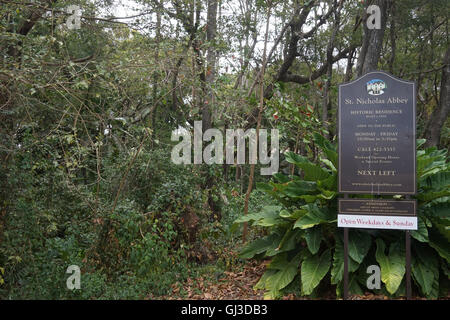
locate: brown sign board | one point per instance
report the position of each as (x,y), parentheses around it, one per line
(378,214)
(377,135)
(378,207)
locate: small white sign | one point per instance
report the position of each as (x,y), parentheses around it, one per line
(377,222)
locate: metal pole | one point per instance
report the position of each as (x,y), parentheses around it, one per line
(408,264)
(345,259)
(345,263)
(408,260)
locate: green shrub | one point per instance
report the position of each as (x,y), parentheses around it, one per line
(304,241)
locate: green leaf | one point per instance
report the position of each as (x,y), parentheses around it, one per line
(425,268)
(353,286)
(293,215)
(300,188)
(437,182)
(358,245)
(308,198)
(313,270)
(430,162)
(314,217)
(420,142)
(313,239)
(260,245)
(272,190)
(267,217)
(423,276)
(328,195)
(327,147)
(287,243)
(439,243)
(281,178)
(329,164)
(286,272)
(329,183)
(312,172)
(421,234)
(438,209)
(429,196)
(261,284)
(443,226)
(392,265)
(337,271)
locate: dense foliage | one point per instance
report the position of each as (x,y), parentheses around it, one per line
(86,117)
(303,239)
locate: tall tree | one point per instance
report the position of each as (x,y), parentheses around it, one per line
(373,38)
(211,31)
(441,112)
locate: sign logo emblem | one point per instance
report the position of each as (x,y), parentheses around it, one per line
(376,87)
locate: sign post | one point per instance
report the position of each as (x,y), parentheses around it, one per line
(377,157)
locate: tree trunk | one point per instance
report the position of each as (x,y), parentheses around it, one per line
(373,40)
(326,104)
(258,124)
(393,40)
(440,112)
(211,30)
(210,77)
(156,72)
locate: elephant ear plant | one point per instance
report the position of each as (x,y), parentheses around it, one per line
(303,242)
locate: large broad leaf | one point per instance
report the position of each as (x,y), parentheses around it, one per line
(429,196)
(294,214)
(281,178)
(260,245)
(443,226)
(287,243)
(313,270)
(329,164)
(327,147)
(439,243)
(358,245)
(329,183)
(328,195)
(276,280)
(261,284)
(423,276)
(337,271)
(353,286)
(272,191)
(313,238)
(312,172)
(392,265)
(323,142)
(421,234)
(438,209)
(420,142)
(315,216)
(267,217)
(425,269)
(281,273)
(430,162)
(299,188)
(437,182)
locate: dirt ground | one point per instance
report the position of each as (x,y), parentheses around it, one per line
(239,286)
